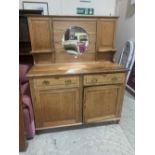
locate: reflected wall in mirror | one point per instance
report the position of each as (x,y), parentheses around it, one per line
(75,41)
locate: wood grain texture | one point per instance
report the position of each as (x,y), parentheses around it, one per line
(58,106)
(107,50)
(102,56)
(68,90)
(36,106)
(76,86)
(100,103)
(46,34)
(106,29)
(43,58)
(40,33)
(121,97)
(100,79)
(84,17)
(75,68)
(58,81)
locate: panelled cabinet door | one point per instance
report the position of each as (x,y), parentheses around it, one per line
(102,103)
(40,33)
(57,107)
(106,34)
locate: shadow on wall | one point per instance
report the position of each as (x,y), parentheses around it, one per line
(130,9)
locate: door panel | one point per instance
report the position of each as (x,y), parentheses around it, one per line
(100,103)
(105,34)
(40,33)
(59,107)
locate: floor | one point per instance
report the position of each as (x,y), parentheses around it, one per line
(114,139)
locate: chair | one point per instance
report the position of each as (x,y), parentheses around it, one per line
(127,56)
(26,100)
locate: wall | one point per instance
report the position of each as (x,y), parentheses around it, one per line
(126,24)
(102,7)
(68,7)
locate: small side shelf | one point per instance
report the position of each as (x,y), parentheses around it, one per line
(107,50)
(44,56)
(105,54)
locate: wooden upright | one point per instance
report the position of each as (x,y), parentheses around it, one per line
(68,90)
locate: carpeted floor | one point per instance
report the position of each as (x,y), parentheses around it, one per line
(115,139)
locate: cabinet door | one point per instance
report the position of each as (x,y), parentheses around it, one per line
(57,107)
(40,33)
(102,103)
(106,34)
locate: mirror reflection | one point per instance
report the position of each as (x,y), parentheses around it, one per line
(75,40)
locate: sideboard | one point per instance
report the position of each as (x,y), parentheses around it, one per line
(71,90)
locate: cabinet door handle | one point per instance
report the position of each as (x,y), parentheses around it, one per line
(68,82)
(94,80)
(45,82)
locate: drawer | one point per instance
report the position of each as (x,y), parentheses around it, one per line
(97,79)
(58,81)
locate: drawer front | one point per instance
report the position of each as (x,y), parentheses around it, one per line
(104,79)
(58,81)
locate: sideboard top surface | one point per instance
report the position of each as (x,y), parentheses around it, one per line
(67,16)
(75,68)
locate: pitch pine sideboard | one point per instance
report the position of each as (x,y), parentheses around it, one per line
(74,79)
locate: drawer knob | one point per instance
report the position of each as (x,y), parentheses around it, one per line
(46,82)
(114,78)
(67,82)
(94,80)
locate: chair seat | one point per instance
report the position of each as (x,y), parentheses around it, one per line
(26,100)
